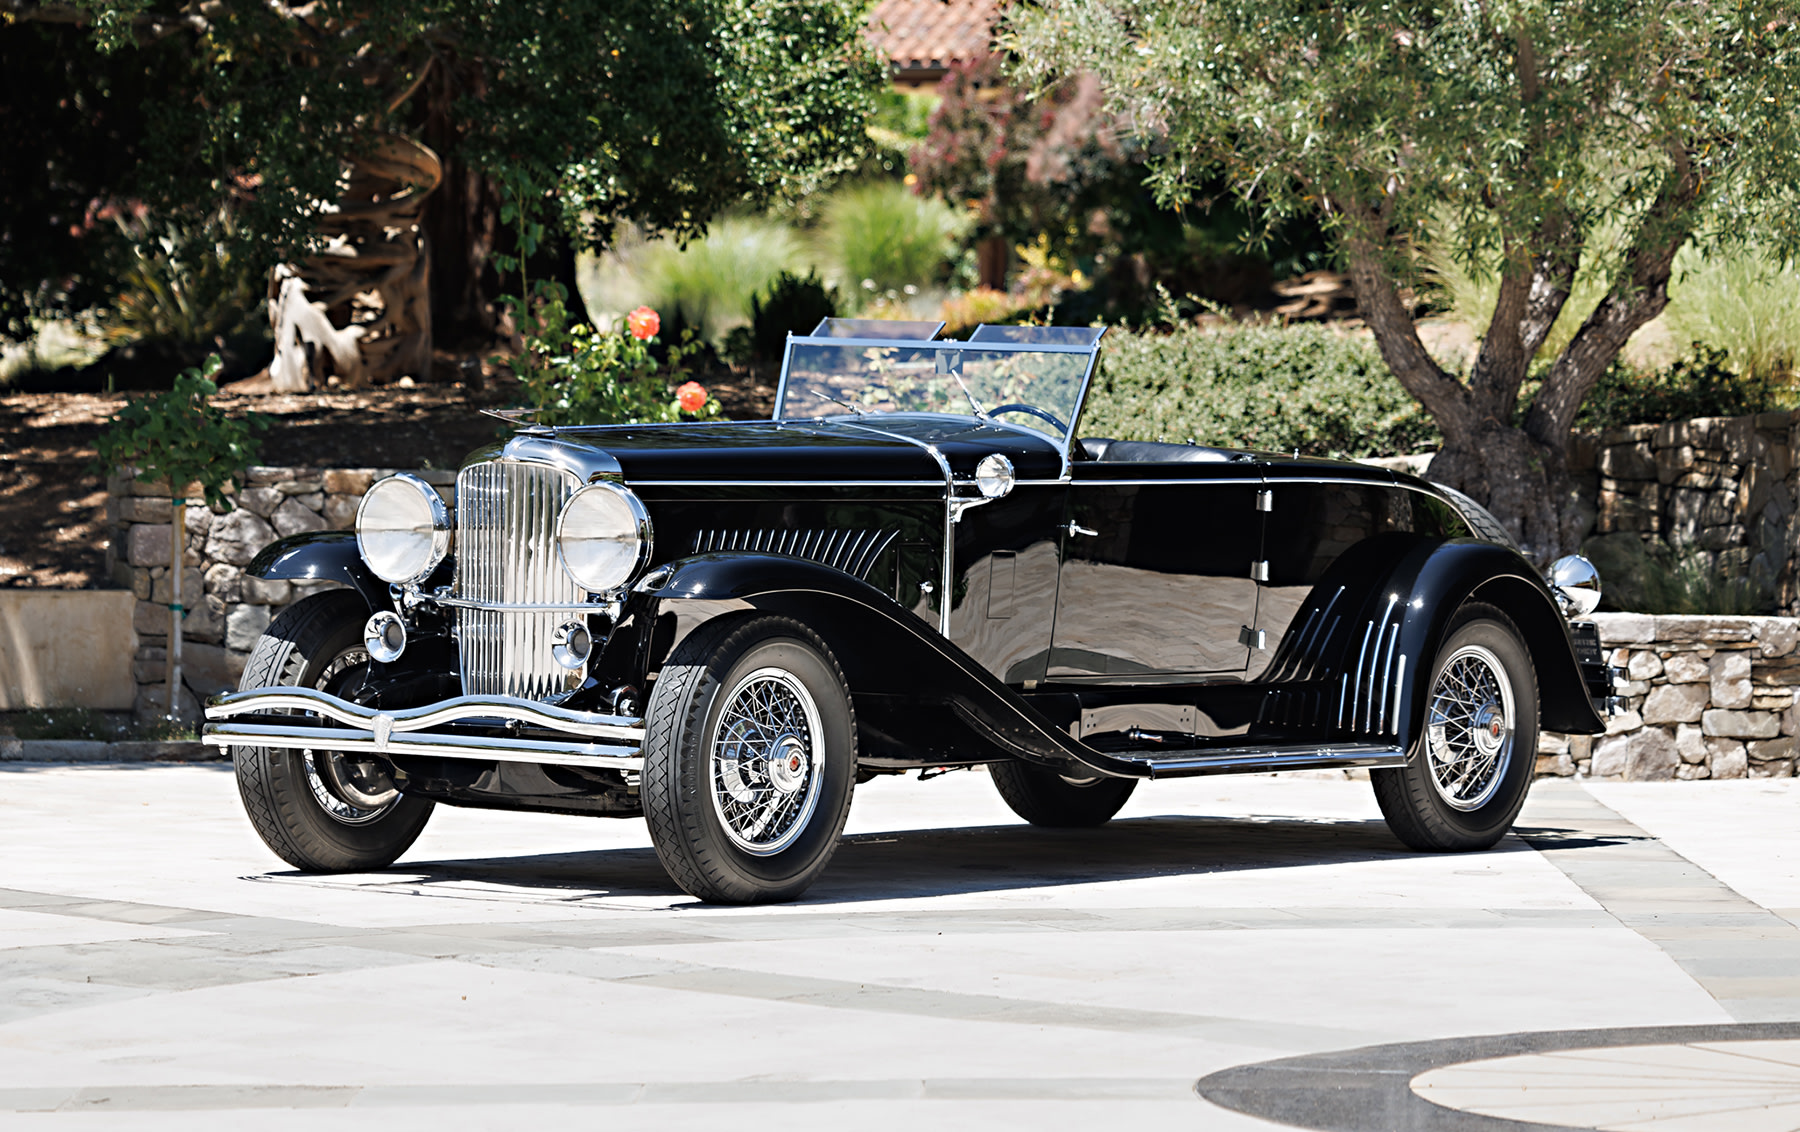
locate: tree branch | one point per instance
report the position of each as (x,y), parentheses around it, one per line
(1639,295)
(1395,334)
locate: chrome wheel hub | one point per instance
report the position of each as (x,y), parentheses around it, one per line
(352,791)
(1469,729)
(765,761)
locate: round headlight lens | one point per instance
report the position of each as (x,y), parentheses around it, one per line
(402,529)
(604,537)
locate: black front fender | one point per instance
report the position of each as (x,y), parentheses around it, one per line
(888,653)
(329,556)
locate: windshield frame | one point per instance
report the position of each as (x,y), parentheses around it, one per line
(1064,444)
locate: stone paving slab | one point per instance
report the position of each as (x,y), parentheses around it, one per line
(956,968)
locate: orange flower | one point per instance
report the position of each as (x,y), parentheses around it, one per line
(691,396)
(643,323)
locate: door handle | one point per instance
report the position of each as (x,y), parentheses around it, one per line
(1075,528)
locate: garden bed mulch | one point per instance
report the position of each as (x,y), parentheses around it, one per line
(53,501)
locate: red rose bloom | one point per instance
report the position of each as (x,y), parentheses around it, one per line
(643,323)
(691,396)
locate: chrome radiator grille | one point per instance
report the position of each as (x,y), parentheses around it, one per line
(506,552)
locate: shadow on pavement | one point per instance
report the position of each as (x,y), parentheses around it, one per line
(938,862)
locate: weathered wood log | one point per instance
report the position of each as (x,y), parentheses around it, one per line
(360,309)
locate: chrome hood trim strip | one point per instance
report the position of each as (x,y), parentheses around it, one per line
(528,712)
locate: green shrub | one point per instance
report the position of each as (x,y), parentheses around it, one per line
(794,304)
(1653,577)
(1743,304)
(881,236)
(1702,384)
(710,284)
(574,374)
(1273,388)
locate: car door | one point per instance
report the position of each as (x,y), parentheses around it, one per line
(1158,573)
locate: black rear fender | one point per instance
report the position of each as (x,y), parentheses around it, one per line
(1464,570)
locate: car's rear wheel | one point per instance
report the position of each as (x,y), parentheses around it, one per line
(322,811)
(1043,797)
(749,760)
(1473,761)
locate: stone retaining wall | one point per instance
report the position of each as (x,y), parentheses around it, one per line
(1722,487)
(1706,697)
(226,609)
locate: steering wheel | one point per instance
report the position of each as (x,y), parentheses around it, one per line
(1020,407)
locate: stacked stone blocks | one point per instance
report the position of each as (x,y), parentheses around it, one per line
(226,609)
(1705,697)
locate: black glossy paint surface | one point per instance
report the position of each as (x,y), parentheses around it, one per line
(1163,585)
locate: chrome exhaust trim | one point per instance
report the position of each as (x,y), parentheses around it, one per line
(502,750)
(528,712)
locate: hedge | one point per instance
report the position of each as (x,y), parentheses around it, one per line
(1272,388)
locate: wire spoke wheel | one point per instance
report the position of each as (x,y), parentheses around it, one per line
(1469,727)
(766,761)
(351,791)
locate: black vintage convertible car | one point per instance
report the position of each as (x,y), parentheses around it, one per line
(917,564)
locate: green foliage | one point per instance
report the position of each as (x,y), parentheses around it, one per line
(182,284)
(881,236)
(1474,122)
(1273,388)
(1746,304)
(794,305)
(1702,384)
(586,112)
(574,374)
(1653,577)
(710,283)
(181,437)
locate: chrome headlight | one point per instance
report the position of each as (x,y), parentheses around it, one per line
(604,537)
(1576,583)
(402,529)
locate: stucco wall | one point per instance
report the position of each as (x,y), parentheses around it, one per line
(66,648)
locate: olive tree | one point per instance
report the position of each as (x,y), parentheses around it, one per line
(1537,139)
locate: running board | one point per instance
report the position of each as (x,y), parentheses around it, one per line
(1247,760)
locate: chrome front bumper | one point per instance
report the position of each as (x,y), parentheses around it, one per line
(409,731)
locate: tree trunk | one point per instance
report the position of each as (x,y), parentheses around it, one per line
(375,267)
(462,218)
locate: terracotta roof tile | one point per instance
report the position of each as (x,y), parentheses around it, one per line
(932,34)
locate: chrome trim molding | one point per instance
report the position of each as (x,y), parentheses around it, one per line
(855,552)
(504,750)
(547,716)
(508,555)
(1228,760)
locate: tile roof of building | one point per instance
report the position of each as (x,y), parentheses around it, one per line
(930,35)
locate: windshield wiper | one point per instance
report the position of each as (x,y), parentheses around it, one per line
(973,403)
(828,397)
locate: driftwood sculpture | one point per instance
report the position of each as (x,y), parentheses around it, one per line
(361,308)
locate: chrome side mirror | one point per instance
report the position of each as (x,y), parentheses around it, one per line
(1576,584)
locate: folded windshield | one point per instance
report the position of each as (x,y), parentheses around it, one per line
(1032,385)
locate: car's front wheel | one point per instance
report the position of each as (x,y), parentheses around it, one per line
(749,760)
(322,811)
(1476,753)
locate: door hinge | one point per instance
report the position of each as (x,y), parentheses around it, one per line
(1259,570)
(1254,638)
(1265,500)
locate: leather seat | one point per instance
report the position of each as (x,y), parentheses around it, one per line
(1104,450)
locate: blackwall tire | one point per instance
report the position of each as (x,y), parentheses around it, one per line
(1473,761)
(1043,797)
(316,643)
(749,760)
